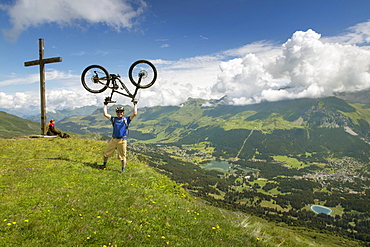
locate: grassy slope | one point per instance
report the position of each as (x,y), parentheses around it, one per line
(53,195)
(11,125)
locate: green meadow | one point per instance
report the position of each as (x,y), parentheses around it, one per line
(53,194)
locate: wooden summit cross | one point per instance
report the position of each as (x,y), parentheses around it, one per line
(42,61)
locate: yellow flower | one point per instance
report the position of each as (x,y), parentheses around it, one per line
(9,224)
(213,228)
(148,236)
(106,212)
(88,238)
(5,219)
(14,223)
(258,239)
(98,217)
(163,237)
(26,221)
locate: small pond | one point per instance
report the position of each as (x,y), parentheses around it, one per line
(321,209)
(224,166)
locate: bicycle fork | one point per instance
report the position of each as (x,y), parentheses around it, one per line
(137,87)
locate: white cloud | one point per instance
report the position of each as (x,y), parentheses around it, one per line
(357,34)
(50,74)
(308,67)
(116,14)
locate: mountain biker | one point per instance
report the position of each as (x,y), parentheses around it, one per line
(119,136)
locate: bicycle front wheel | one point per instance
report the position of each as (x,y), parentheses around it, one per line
(95,78)
(142,74)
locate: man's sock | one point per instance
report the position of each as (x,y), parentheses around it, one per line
(103,166)
(123,169)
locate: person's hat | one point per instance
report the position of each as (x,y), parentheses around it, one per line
(120,108)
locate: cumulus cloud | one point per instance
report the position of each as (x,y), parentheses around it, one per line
(305,67)
(117,14)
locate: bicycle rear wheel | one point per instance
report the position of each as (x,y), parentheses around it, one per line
(142,74)
(95,78)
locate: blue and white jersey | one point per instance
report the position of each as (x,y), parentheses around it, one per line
(120,127)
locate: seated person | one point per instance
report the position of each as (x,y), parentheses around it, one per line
(51,131)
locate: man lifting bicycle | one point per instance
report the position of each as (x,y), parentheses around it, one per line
(120,132)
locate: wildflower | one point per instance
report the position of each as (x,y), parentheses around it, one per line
(73,209)
(163,237)
(98,217)
(14,223)
(5,219)
(106,212)
(217,226)
(213,228)
(258,239)
(148,236)
(88,238)
(26,221)
(9,224)
(80,215)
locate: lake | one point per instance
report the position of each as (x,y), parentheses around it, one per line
(224,166)
(321,209)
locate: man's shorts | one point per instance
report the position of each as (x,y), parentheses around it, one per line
(120,145)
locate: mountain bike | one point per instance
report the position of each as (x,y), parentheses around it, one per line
(96,79)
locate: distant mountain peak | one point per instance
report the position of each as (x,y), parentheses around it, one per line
(216,102)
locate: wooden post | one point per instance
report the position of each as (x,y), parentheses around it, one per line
(42,63)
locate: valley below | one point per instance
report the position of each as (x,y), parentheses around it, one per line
(281,190)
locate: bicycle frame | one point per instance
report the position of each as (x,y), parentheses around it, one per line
(127,93)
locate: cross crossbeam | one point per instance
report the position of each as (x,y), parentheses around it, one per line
(42,61)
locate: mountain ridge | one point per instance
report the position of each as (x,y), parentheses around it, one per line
(327,126)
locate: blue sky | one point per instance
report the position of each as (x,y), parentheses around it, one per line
(248,50)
